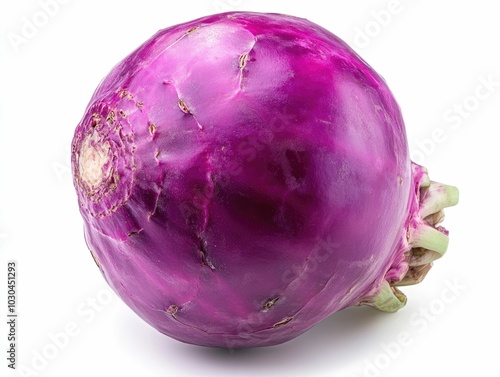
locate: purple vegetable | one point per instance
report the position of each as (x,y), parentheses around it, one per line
(243,176)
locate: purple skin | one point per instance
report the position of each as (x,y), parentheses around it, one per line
(243,176)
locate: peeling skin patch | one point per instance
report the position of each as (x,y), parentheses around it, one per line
(96,118)
(94,157)
(152,129)
(282,322)
(270,303)
(243,61)
(124,93)
(172,310)
(111,117)
(183,107)
(134,233)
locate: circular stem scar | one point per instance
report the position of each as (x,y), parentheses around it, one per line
(93,163)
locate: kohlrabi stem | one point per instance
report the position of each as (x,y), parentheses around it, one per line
(437,197)
(426,241)
(427,237)
(388,299)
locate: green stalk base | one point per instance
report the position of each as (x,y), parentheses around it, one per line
(426,241)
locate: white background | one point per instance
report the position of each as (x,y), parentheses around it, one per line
(435,56)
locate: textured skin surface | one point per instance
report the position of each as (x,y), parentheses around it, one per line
(256,179)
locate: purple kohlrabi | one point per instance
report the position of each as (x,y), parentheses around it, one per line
(243,176)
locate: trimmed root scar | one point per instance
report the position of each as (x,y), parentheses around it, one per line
(93,162)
